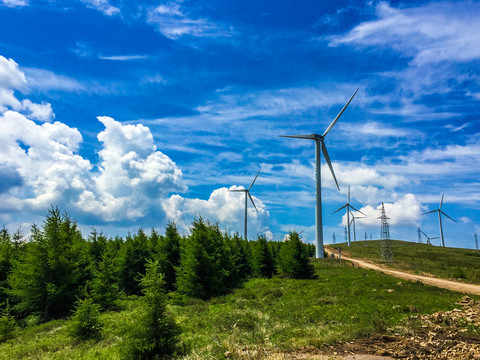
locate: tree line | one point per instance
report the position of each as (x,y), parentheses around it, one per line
(51,274)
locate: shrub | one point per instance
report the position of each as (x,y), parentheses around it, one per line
(86,320)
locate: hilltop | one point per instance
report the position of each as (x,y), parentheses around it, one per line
(422,259)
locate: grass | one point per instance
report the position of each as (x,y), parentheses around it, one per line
(263,318)
(444,262)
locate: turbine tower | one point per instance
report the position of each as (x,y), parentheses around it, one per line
(247,195)
(419,235)
(428,237)
(319,143)
(440,212)
(348,206)
(476,241)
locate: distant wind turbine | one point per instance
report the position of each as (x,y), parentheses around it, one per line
(348,206)
(319,142)
(440,212)
(353,222)
(428,237)
(247,194)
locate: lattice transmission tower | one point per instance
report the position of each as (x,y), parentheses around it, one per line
(386,251)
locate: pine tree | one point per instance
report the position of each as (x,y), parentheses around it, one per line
(155,334)
(205,264)
(52,268)
(169,255)
(85,323)
(293,259)
(133,257)
(104,286)
(263,264)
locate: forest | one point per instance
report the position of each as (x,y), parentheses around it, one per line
(57,273)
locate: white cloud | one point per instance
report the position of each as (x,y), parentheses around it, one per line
(44,168)
(429,33)
(123,57)
(103,6)
(15,3)
(47,80)
(228,208)
(404,211)
(40,112)
(173,22)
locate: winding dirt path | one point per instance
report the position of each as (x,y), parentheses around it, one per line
(442,283)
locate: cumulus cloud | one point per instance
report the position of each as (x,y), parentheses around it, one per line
(13,79)
(228,208)
(44,168)
(404,211)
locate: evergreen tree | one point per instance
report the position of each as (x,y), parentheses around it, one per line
(52,268)
(169,255)
(204,265)
(155,334)
(85,322)
(293,259)
(263,264)
(7,323)
(133,257)
(104,286)
(6,260)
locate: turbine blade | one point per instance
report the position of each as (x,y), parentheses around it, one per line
(436,237)
(238,190)
(254,179)
(327,158)
(357,210)
(424,234)
(349,194)
(429,212)
(441,202)
(338,116)
(447,216)
(339,209)
(309,137)
(250,196)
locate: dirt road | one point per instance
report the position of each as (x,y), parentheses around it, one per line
(442,283)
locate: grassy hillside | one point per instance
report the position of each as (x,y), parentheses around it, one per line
(452,263)
(263,318)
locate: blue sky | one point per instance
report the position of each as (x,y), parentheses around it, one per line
(131,114)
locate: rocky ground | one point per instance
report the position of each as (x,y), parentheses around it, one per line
(441,336)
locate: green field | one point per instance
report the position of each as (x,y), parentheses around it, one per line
(263,318)
(450,263)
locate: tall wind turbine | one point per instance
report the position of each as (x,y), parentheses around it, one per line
(348,206)
(440,212)
(319,142)
(247,195)
(428,237)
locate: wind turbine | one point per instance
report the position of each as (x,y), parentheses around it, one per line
(247,195)
(440,212)
(319,143)
(428,237)
(348,206)
(353,222)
